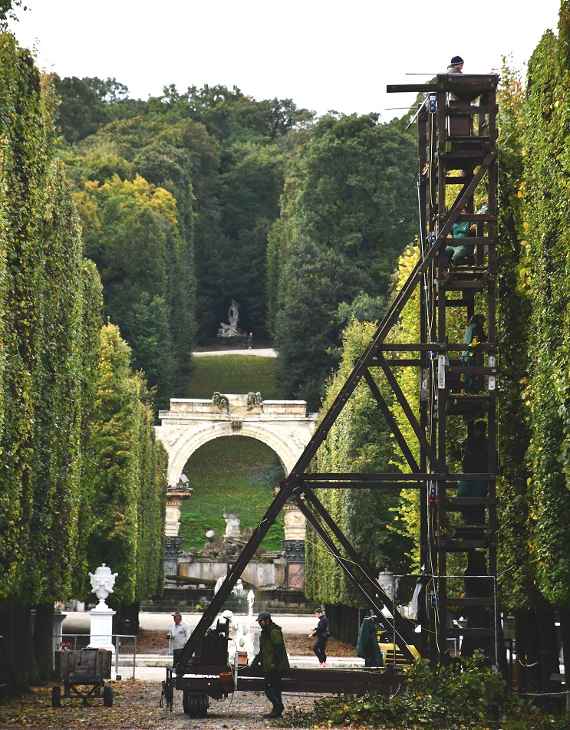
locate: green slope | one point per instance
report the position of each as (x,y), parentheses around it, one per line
(233,374)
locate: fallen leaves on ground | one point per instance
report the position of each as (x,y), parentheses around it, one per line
(135,706)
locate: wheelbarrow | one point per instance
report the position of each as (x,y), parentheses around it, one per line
(83,673)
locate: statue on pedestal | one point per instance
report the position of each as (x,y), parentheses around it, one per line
(230,328)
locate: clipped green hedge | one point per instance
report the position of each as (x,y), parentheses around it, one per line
(359,441)
(547,219)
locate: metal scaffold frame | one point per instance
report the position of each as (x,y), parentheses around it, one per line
(457,183)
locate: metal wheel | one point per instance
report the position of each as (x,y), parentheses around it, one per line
(194,704)
(108,696)
(56,696)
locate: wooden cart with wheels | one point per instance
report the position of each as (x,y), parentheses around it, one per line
(83,673)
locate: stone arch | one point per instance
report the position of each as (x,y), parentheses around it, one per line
(192,439)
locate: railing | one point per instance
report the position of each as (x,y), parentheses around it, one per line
(126,642)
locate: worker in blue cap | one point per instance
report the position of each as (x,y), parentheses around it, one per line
(455,65)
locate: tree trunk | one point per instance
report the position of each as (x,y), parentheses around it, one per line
(43,641)
(126,620)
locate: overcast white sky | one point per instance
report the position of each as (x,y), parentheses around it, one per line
(325,54)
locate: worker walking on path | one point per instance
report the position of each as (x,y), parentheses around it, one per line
(273,661)
(322,633)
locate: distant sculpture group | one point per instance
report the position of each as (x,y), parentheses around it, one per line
(230,328)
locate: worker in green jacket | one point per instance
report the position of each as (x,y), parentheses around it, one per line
(460,253)
(273,661)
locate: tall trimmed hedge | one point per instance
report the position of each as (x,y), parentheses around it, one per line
(52,456)
(25,152)
(547,217)
(359,441)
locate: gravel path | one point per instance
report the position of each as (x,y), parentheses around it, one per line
(260,352)
(244,712)
(136,707)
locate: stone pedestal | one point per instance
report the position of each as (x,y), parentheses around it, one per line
(174,498)
(294,547)
(101,628)
(172,547)
(280,565)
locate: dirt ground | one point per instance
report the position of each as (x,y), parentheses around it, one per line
(155,642)
(136,707)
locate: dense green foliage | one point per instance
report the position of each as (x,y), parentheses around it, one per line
(220,154)
(512,326)
(347,211)
(53,396)
(232,474)
(547,218)
(359,441)
(127,496)
(131,233)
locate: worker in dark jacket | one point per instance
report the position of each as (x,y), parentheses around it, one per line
(367,644)
(472,356)
(475,460)
(273,661)
(322,633)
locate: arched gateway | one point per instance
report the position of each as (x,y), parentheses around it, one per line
(190,423)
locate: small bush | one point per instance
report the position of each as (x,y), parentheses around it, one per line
(466,694)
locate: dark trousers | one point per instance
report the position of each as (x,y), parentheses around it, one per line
(320,648)
(273,690)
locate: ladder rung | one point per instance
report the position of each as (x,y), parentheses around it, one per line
(466,602)
(459,156)
(463,546)
(477,217)
(469,631)
(453,504)
(474,240)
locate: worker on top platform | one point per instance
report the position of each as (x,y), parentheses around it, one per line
(455,65)
(474,461)
(273,661)
(459,123)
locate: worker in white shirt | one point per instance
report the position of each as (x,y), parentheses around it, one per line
(178,635)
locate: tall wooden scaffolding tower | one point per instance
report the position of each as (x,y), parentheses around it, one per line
(456,376)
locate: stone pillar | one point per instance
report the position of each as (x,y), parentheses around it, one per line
(294,546)
(172,542)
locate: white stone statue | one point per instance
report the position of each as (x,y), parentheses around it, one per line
(250,602)
(230,328)
(232,525)
(233,315)
(102,582)
(238,590)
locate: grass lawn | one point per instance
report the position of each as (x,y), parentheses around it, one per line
(230,474)
(233,374)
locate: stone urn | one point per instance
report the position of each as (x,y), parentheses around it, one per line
(102,582)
